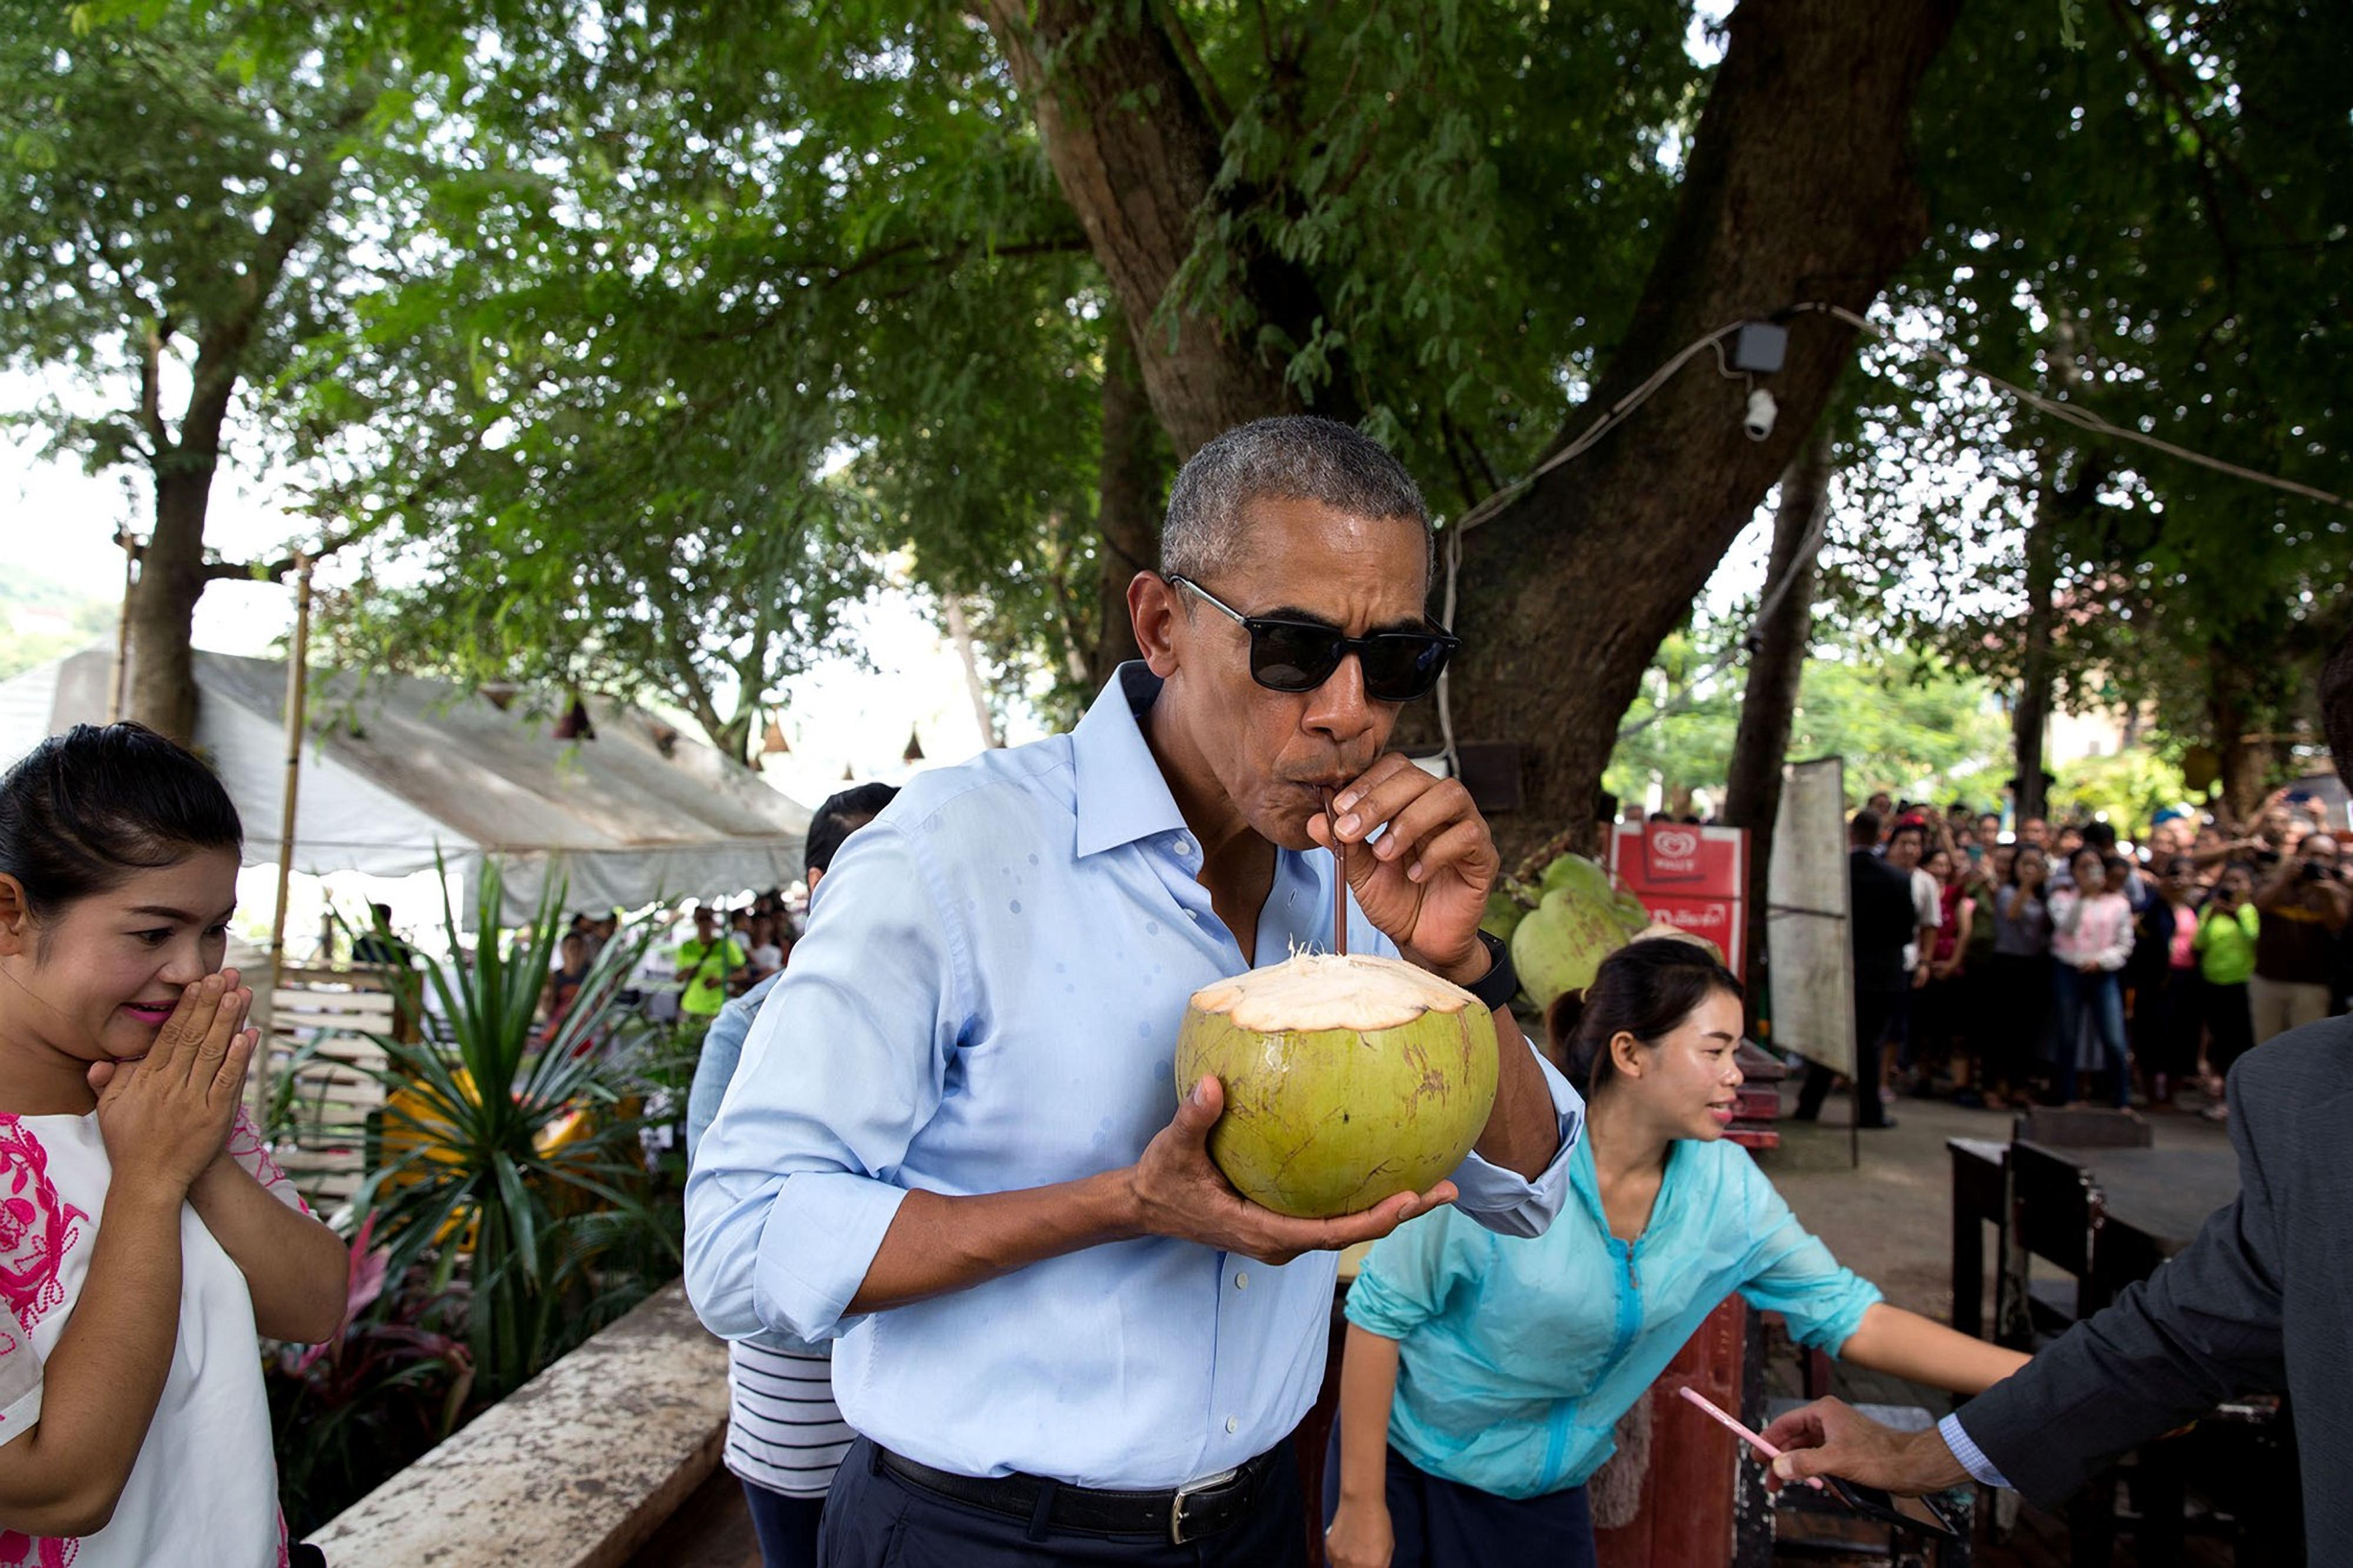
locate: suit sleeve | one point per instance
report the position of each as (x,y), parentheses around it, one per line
(2203,1328)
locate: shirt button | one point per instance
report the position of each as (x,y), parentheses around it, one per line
(1233,1425)
(1192,915)
(1241,1281)
(1183,845)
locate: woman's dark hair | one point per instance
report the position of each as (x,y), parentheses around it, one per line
(84,810)
(1644,989)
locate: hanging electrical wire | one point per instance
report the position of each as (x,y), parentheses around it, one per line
(2068,413)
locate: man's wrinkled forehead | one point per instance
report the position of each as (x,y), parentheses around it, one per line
(1303,552)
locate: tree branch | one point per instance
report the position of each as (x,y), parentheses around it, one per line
(285,566)
(151,391)
(697,694)
(220,346)
(1220,117)
(943,259)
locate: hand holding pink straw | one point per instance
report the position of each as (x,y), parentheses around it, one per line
(1756,1442)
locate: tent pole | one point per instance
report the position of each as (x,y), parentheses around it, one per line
(298,668)
(119,677)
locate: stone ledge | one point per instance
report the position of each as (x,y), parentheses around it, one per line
(574,1470)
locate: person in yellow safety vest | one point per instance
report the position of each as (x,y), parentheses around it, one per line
(709,964)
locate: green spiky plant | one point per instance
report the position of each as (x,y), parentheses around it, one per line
(557,1240)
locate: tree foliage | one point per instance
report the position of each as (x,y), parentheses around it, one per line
(644,331)
(182,221)
(1904,721)
(2155,227)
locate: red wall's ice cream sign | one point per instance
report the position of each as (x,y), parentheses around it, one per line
(1692,877)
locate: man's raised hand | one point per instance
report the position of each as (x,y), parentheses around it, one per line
(1425,883)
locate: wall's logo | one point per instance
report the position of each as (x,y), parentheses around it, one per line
(1674,845)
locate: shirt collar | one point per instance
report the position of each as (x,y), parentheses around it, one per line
(1122,796)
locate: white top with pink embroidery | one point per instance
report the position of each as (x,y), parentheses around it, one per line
(204,1486)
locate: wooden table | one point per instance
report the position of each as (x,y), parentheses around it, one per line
(2158,1201)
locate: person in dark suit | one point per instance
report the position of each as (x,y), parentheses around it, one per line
(2262,1301)
(1879,922)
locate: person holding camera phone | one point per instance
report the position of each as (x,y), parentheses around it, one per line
(2306,907)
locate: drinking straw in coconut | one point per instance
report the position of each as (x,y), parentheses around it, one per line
(1339,879)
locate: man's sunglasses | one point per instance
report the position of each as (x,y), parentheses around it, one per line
(1300,655)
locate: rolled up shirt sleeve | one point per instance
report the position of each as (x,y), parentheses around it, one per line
(1789,1271)
(1508,1203)
(1409,1274)
(793,1186)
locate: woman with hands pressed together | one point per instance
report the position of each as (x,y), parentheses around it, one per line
(146,1235)
(1486,1376)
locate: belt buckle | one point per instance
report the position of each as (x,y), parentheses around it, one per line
(1176,1536)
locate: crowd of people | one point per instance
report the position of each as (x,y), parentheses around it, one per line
(2056,961)
(728,952)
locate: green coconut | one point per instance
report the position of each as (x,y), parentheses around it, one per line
(1562,942)
(1502,914)
(1584,878)
(1347,1080)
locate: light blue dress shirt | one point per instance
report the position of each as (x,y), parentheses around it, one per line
(1517,1358)
(988,999)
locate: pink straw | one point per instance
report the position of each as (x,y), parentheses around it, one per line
(1756,1442)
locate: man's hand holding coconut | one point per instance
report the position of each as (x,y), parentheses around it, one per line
(1060,1007)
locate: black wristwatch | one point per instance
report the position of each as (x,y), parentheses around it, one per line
(1502,982)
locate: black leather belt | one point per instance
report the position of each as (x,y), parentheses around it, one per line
(1198,1508)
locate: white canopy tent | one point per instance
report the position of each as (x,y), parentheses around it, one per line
(396,769)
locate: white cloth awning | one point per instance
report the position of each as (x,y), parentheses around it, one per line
(396,769)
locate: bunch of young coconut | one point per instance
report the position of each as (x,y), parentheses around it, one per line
(1347,1080)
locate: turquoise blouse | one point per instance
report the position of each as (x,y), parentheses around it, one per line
(1517,1357)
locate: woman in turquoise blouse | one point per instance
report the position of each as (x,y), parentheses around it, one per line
(1485,1375)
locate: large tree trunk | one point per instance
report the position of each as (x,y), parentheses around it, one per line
(163,604)
(172,570)
(2245,759)
(1127,506)
(1752,796)
(1134,148)
(1801,189)
(2029,716)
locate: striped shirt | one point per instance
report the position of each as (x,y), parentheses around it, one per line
(784,1434)
(784,1431)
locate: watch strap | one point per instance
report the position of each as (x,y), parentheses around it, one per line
(1502,982)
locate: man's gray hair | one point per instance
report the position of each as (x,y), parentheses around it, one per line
(1292,458)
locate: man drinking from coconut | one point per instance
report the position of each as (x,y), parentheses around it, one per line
(956,1142)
